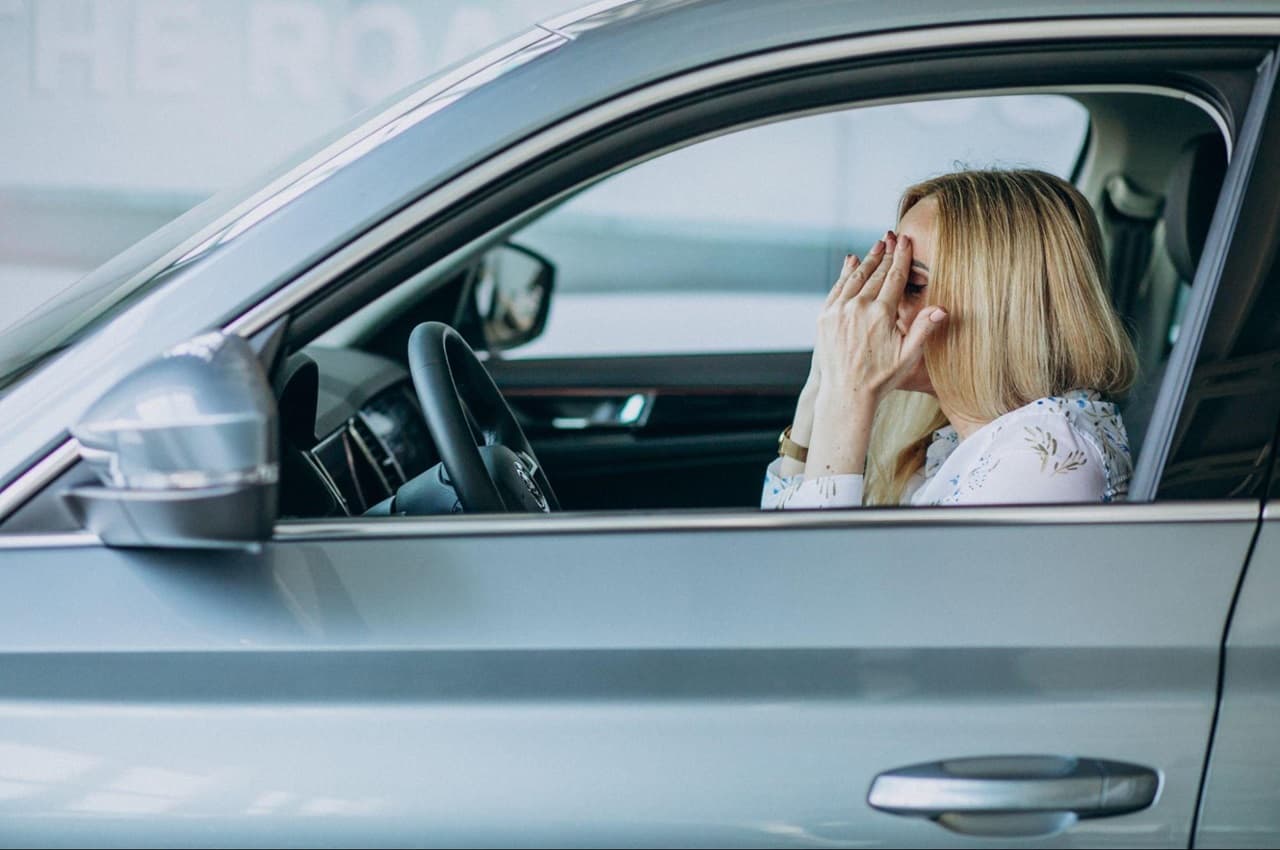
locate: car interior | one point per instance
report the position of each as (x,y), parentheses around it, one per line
(680,430)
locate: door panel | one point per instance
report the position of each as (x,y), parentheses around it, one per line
(437,684)
(630,471)
(706,428)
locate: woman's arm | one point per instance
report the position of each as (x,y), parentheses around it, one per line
(859,356)
(863,356)
(802,422)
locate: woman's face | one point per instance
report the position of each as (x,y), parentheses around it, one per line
(920,225)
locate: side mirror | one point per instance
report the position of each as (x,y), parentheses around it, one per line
(513,295)
(185,448)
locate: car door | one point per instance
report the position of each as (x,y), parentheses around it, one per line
(696,679)
(660,677)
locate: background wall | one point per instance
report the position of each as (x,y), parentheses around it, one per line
(119,115)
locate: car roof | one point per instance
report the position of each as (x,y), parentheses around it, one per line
(720,27)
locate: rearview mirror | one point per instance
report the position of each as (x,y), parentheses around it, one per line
(185,448)
(513,295)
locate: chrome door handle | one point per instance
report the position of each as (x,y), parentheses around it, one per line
(1014,795)
(629,411)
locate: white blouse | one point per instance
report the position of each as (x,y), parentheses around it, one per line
(1070,448)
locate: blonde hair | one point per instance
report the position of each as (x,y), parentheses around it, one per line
(1019,269)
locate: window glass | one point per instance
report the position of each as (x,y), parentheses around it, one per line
(731,244)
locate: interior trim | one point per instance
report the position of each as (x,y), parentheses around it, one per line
(310,283)
(358,528)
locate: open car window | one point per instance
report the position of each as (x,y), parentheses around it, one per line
(686,287)
(730,244)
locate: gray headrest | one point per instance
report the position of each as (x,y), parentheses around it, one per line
(1190,196)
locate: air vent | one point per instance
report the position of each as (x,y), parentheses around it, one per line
(377,453)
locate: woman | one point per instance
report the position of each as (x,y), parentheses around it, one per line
(966,359)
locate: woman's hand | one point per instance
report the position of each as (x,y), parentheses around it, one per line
(802,422)
(861,354)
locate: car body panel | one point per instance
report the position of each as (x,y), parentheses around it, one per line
(1241,805)
(692,687)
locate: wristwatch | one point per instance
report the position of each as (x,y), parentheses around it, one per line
(788,447)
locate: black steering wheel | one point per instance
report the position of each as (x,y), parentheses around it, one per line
(489,461)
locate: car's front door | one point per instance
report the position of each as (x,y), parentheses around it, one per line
(700,680)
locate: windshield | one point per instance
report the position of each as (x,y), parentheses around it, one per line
(29,337)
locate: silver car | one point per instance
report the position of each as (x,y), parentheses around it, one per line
(283,561)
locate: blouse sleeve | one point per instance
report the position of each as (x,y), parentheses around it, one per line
(1037,460)
(796,491)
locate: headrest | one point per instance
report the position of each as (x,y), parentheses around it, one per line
(1190,197)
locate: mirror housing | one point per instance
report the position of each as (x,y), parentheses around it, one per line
(185,448)
(512,295)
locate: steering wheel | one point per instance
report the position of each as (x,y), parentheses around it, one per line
(486,455)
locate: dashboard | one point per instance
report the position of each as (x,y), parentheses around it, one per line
(354,432)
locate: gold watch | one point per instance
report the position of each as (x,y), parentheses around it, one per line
(788,447)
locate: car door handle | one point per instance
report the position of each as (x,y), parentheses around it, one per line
(569,411)
(1014,795)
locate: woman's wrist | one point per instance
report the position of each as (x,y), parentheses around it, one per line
(841,431)
(802,422)
(801,425)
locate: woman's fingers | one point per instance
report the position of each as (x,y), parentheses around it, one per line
(851,263)
(927,322)
(872,287)
(854,282)
(895,281)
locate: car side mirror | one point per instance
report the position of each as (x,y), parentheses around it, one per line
(513,295)
(185,448)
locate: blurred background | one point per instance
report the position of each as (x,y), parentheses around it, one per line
(120,115)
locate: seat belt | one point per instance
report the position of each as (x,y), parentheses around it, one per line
(1130,218)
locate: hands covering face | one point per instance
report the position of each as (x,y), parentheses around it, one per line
(861,349)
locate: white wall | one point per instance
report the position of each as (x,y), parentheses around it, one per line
(121,114)
(188,96)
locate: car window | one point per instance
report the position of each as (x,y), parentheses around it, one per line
(731,244)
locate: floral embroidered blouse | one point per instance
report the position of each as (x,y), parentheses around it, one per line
(1070,448)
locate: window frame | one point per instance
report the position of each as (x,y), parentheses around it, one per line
(1203,326)
(1219,111)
